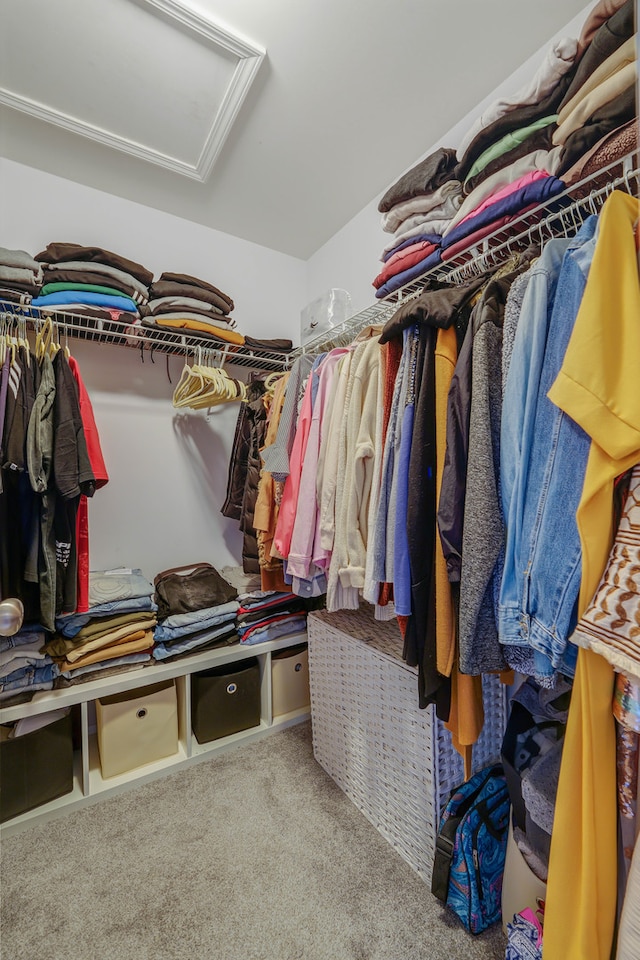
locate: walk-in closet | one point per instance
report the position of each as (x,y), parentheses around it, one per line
(319,480)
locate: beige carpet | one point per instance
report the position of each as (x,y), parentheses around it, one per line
(254,855)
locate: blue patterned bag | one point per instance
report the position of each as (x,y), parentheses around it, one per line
(471,848)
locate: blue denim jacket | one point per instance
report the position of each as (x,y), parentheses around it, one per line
(543,462)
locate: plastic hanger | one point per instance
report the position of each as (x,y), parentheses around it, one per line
(204,385)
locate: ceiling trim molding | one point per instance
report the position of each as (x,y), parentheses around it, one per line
(249,54)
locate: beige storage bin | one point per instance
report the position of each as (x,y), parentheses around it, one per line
(290,680)
(520,886)
(137,727)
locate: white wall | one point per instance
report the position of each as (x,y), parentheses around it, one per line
(350,259)
(167,468)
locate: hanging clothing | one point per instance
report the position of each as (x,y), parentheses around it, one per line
(543,462)
(268,500)
(99,470)
(483,529)
(597,386)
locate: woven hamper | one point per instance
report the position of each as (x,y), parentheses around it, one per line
(393,760)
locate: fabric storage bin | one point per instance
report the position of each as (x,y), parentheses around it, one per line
(36,768)
(137,727)
(394,761)
(225,700)
(290,679)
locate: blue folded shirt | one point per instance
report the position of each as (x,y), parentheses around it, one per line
(71,625)
(87,297)
(537,192)
(275,630)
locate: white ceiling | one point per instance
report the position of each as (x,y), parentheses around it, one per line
(350,94)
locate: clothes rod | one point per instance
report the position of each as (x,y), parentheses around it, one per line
(144,339)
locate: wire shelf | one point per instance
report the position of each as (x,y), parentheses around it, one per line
(564,213)
(134,335)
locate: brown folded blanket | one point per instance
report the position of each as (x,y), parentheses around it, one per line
(171,288)
(59,252)
(196,282)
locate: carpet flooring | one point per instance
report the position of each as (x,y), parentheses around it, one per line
(253,855)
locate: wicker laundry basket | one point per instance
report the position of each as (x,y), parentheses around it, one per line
(393,760)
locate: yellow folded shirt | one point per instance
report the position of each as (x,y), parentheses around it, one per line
(144,641)
(201,326)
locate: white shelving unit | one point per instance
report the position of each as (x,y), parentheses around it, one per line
(89,786)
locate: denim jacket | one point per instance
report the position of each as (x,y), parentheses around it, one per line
(543,461)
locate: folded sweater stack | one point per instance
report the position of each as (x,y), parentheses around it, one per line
(114,635)
(415,211)
(194,617)
(182,302)
(25,667)
(92,281)
(198,630)
(573,117)
(268,615)
(596,115)
(20,276)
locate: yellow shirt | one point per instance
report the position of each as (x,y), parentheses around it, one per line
(599,387)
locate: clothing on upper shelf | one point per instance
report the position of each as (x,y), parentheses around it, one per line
(558,60)
(181,302)
(410,273)
(613,146)
(407,257)
(183,320)
(518,119)
(541,161)
(602,11)
(162,305)
(539,191)
(603,121)
(609,34)
(537,143)
(224,300)
(505,144)
(624,55)
(86,297)
(425,177)
(62,253)
(508,163)
(20,274)
(593,100)
(495,195)
(72,272)
(91,280)
(450,193)
(430,220)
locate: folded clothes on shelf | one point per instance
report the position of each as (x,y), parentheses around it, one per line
(20,275)
(87,298)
